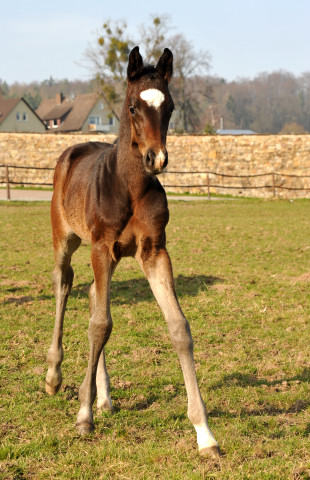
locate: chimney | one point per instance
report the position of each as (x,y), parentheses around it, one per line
(59,98)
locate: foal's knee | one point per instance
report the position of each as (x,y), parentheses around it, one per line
(100,327)
(63,278)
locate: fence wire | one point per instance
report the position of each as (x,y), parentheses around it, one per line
(274,186)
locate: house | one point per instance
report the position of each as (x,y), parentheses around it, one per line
(16,115)
(83,113)
(232,131)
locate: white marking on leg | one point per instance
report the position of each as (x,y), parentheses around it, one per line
(85,415)
(205,438)
(104,401)
(153,97)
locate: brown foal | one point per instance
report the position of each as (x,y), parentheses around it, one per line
(110,196)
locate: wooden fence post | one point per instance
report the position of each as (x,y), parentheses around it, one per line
(273,184)
(208,183)
(8,193)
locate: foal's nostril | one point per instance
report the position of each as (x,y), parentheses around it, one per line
(150,158)
(156,162)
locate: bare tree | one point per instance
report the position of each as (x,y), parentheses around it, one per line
(153,37)
(108,60)
(188,96)
(188,64)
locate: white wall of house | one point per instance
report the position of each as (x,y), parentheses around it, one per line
(22,119)
(100,120)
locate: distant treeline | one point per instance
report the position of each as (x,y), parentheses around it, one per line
(35,92)
(270,103)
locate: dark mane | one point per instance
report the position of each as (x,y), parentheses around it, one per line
(146,70)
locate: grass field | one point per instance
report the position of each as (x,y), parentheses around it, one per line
(242,270)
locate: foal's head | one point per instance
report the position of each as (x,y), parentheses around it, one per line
(149,106)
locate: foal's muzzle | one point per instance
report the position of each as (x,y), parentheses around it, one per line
(156,162)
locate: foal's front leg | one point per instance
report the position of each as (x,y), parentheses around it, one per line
(100,327)
(104,402)
(158,271)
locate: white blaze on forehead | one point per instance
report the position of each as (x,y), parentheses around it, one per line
(153,97)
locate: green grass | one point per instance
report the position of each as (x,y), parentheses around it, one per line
(242,271)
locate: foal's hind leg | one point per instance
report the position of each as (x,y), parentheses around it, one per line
(100,327)
(158,271)
(62,283)
(104,402)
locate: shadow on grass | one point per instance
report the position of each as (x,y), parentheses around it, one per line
(131,291)
(137,290)
(131,402)
(19,300)
(134,402)
(269,410)
(246,380)
(24,299)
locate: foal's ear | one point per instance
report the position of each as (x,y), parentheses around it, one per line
(135,63)
(165,65)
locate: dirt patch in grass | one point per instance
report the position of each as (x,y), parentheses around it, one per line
(303,278)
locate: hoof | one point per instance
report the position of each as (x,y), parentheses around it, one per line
(52,390)
(84,428)
(211,452)
(53,380)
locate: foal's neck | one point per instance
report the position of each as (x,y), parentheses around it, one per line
(130,161)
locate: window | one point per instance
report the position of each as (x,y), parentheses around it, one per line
(111,121)
(92,119)
(25,117)
(101,106)
(18,117)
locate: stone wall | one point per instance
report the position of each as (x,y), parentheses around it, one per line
(254,158)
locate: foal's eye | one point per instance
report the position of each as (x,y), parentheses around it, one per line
(132,110)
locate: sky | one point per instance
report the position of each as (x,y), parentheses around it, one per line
(41,39)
